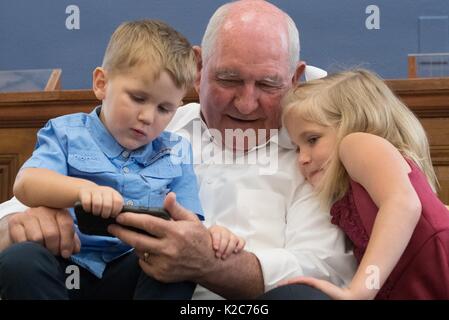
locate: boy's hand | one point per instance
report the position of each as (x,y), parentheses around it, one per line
(99,200)
(225,242)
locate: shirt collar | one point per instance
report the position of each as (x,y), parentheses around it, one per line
(105,140)
(112,149)
(281,139)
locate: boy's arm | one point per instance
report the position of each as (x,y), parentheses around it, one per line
(43,187)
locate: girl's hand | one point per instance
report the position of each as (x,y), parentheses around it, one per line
(324,286)
(225,242)
(99,200)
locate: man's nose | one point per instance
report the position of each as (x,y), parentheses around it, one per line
(147,114)
(246,100)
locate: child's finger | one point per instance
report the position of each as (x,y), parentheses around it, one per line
(86,201)
(216,239)
(106,208)
(240,245)
(117,203)
(232,243)
(97,203)
(223,243)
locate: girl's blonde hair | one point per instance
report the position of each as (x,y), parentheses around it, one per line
(357,101)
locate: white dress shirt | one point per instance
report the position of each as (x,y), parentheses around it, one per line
(269,205)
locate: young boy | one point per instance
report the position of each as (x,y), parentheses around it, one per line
(119,154)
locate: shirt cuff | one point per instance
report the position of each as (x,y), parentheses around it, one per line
(280,264)
(11,206)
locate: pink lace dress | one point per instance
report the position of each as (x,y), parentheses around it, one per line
(423,270)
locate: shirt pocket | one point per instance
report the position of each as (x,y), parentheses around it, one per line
(158,176)
(92,166)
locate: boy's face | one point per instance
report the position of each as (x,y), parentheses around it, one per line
(316,145)
(136,108)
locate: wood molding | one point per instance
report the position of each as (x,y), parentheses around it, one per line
(426,97)
(440,155)
(18,109)
(9,165)
(34,109)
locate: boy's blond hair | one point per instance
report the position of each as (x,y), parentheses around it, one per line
(358,101)
(154,44)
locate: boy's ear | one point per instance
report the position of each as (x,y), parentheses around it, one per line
(99,83)
(199,66)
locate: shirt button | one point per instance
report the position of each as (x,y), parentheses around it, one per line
(125,169)
(130,203)
(125,154)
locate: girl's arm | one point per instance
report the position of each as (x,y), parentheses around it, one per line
(42,187)
(381,169)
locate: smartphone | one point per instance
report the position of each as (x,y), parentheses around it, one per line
(96,225)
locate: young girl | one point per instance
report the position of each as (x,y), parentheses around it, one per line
(368,158)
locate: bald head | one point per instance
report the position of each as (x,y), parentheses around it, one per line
(246,21)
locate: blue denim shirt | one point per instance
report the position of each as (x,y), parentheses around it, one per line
(78,145)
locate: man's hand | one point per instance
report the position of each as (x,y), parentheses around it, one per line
(52,228)
(180,250)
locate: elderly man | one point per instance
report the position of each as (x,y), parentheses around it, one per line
(246,170)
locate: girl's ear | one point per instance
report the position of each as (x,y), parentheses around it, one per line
(99,83)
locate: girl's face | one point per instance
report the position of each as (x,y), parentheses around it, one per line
(315,144)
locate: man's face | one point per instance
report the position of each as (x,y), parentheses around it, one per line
(242,84)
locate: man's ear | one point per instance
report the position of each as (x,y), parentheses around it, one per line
(99,83)
(300,68)
(199,67)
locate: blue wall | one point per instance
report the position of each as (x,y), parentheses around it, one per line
(33,34)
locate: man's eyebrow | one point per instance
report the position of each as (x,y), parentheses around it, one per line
(272,80)
(227,74)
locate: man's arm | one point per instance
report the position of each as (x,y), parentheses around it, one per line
(5,240)
(238,277)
